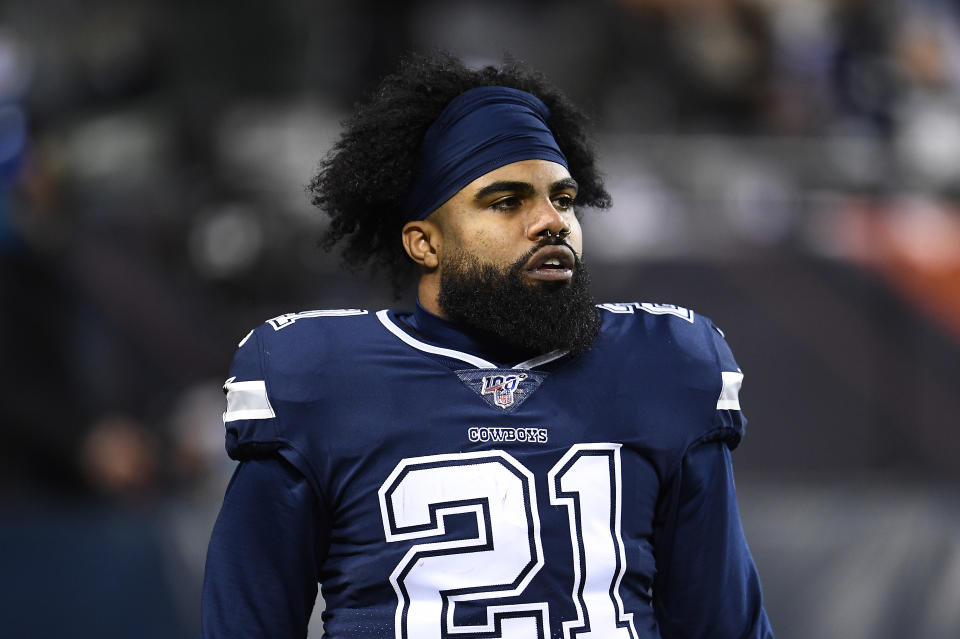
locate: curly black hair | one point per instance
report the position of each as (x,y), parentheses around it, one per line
(362,182)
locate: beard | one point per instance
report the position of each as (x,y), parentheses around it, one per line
(498,303)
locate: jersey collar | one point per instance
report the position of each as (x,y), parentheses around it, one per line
(432,334)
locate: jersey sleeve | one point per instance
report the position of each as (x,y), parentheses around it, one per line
(707,583)
(729,420)
(264,555)
(250,420)
(254,430)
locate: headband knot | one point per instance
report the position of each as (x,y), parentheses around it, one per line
(481,129)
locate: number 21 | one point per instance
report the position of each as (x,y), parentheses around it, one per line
(507,551)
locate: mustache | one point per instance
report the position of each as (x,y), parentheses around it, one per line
(546,241)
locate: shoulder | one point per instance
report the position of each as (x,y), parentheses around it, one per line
(306,326)
(292,340)
(679,349)
(284,353)
(281,364)
(673,329)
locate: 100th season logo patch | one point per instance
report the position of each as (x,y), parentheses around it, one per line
(505,388)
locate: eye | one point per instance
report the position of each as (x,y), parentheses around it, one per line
(563,202)
(508,203)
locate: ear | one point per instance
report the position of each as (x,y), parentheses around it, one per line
(421,241)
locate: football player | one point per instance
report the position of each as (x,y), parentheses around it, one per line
(509,460)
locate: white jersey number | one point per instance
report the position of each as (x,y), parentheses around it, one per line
(499,562)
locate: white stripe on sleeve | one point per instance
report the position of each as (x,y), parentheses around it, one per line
(247,400)
(730,393)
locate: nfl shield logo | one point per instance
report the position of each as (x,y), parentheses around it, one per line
(502,387)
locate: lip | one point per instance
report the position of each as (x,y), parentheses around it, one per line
(534,267)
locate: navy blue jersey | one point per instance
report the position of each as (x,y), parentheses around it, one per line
(437,493)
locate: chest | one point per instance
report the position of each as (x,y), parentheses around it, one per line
(474,493)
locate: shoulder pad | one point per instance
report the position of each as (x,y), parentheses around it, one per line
(276,364)
(691,347)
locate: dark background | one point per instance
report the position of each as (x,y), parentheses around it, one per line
(791,169)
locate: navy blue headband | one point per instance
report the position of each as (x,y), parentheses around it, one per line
(480,130)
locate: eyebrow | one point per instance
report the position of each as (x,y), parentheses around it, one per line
(522,188)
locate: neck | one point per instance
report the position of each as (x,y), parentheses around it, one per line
(428,294)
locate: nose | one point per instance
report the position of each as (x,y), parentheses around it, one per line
(546,221)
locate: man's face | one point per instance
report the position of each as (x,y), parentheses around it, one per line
(502,275)
(503,215)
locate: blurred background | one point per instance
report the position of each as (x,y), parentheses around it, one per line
(790,168)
